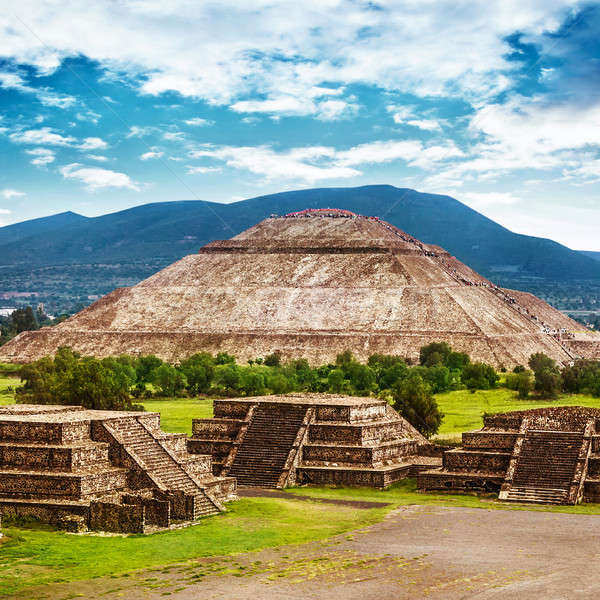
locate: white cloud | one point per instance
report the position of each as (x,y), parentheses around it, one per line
(15,81)
(332,110)
(96,178)
(426,124)
(44,135)
(317,163)
(173,136)
(151,154)
(529,133)
(93,143)
(198,122)
(5,211)
(230,51)
(137,131)
(98,157)
(90,116)
(9,194)
(43,156)
(202,170)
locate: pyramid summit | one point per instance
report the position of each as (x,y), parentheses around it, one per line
(311,284)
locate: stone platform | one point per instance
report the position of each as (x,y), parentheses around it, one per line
(103,470)
(546,455)
(295,439)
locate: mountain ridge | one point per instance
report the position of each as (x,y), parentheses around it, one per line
(170,230)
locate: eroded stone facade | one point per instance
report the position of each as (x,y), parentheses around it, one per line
(330,440)
(106,470)
(546,455)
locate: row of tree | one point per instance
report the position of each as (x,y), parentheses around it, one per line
(25,319)
(115,383)
(548,380)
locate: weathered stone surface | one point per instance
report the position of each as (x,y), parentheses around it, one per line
(545,455)
(311,286)
(115,471)
(275,441)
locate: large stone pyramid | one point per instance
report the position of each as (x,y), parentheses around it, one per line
(313,284)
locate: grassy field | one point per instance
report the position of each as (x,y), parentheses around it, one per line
(35,555)
(176,414)
(463,410)
(405,493)
(38,555)
(7,385)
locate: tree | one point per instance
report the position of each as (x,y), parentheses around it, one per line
(548,382)
(279,384)
(414,401)
(144,366)
(521,383)
(199,372)
(223,358)
(252,382)
(540,361)
(335,381)
(457,360)
(228,377)
(479,376)
(435,353)
(168,380)
(361,377)
(273,360)
(23,319)
(69,379)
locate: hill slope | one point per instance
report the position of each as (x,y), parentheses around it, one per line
(591,253)
(35,227)
(170,230)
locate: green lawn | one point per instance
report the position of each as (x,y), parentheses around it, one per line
(38,555)
(7,385)
(463,410)
(176,414)
(405,493)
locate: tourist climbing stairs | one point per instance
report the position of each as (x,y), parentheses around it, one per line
(158,463)
(262,455)
(546,467)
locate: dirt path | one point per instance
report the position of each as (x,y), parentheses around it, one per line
(416,552)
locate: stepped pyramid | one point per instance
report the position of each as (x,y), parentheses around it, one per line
(312,284)
(543,455)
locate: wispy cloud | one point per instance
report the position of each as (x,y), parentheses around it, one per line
(42,156)
(199,122)
(317,163)
(96,178)
(152,154)
(202,170)
(13,80)
(93,143)
(44,135)
(9,194)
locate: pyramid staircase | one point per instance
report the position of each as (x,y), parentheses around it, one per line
(263,454)
(546,467)
(160,464)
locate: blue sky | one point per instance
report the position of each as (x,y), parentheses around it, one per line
(108,105)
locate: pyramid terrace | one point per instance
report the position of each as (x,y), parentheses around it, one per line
(102,470)
(546,455)
(278,441)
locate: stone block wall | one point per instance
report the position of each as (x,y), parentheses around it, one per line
(117,518)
